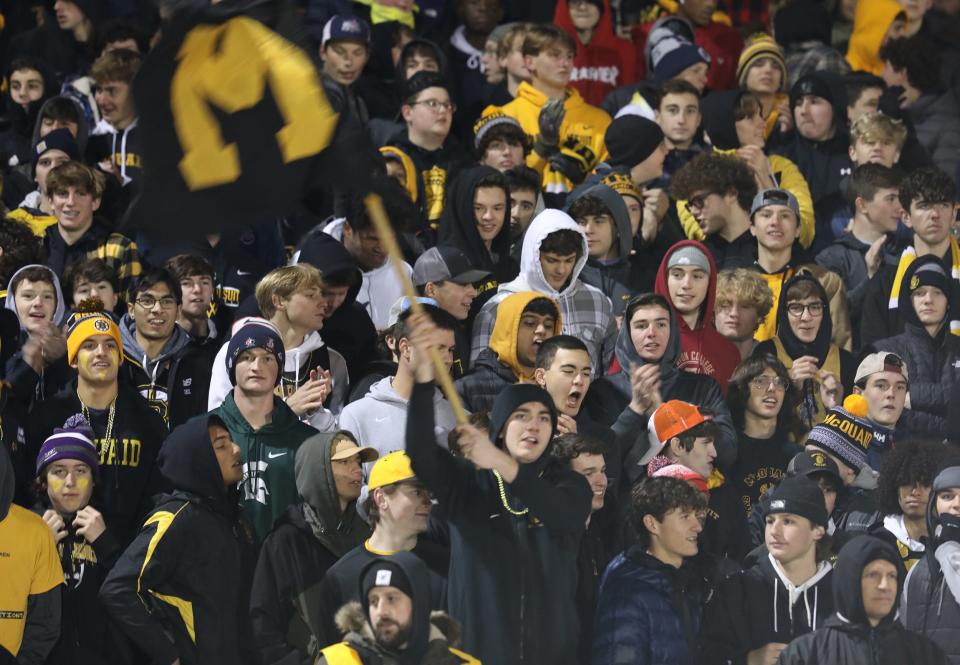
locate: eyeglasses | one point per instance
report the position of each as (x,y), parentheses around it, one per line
(436,105)
(148,302)
(796,309)
(764,382)
(697,202)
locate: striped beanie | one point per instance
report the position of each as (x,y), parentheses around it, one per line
(844,435)
(69,443)
(761,45)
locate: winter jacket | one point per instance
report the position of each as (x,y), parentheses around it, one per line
(268,453)
(175,383)
(129,476)
(513,573)
(893,530)
(936,117)
(339,585)
(458,228)
(611,276)
(484,382)
(17,141)
(609,396)
(436,170)
(846,256)
(581,131)
(379,288)
(31,574)
(349,328)
(177,591)
(379,419)
(298,362)
(345,100)
(116,250)
(822,163)
(871,22)
(305,542)
(648,612)
(586,312)
(930,605)
(702,349)
(604,63)
(847,638)
(749,610)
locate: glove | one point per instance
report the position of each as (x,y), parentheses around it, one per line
(948,529)
(549,121)
(569,164)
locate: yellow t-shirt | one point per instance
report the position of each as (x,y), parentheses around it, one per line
(29,565)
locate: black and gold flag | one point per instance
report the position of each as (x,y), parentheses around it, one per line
(234,122)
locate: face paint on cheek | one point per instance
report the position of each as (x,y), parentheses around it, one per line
(83,484)
(56,484)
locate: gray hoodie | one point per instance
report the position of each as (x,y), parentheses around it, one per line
(379,419)
(60,308)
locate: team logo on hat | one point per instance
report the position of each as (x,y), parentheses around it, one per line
(248,342)
(269,344)
(350,25)
(778,504)
(819,459)
(41,147)
(384,577)
(101,326)
(914,282)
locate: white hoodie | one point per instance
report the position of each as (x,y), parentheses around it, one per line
(324,420)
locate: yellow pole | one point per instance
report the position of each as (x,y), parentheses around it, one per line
(379,218)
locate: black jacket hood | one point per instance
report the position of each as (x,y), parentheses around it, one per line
(187,459)
(847,591)
(458,226)
(328,255)
(618,210)
(419,578)
(507,402)
(719,121)
(796,348)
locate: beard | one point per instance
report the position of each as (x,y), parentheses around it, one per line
(391,635)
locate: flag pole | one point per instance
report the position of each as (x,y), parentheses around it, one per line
(379,218)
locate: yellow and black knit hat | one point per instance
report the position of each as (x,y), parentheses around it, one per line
(761,45)
(87,323)
(623,185)
(490,120)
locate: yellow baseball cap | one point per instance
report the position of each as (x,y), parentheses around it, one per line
(390,469)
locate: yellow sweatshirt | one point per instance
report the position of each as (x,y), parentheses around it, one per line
(870,24)
(503,339)
(789,178)
(582,130)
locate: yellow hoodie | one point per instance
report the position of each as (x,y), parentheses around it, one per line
(503,339)
(789,178)
(582,131)
(870,24)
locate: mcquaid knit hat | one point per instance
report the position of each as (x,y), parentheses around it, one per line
(252,334)
(630,139)
(844,435)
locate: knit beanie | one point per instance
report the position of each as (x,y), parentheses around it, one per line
(422,80)
(491,120)
(760,46)
(254,333)
(58,139)
(630,139)
(675,56)
(799,495)
(68,443)
(383,572)
(931,274)
(622,185)
(688,255)
(86,326)
(844,435)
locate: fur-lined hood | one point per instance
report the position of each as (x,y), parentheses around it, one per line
(445,632)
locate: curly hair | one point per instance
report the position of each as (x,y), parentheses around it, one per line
(745,287)
(657,497)
(20,248)
(738,393)
(919,56)
(568,446)
(717,173)
(914,461)
(929,185)
(587,206)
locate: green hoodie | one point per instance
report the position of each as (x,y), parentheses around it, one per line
(268,454)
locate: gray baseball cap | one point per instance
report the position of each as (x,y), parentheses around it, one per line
(770,197)
(443,263)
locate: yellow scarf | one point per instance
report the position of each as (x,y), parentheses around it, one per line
(906,258)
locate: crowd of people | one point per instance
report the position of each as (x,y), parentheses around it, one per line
(692,268)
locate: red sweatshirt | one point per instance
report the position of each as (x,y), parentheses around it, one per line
(604,64)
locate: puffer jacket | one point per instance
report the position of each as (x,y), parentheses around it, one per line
(937,120)
(648,612)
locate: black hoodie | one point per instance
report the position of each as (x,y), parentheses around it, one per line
(847,638)
(458,228)
(348,329)
(513,546)
(177,591)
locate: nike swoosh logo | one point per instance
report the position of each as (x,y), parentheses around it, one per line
(380,420)
(243,273)
(274,456)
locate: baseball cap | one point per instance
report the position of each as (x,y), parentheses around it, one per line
(813,463)
(344,447)
(402,304)
(770,197)
(671,419)
(346,27)
(390,469)
(884,361)
(443,263)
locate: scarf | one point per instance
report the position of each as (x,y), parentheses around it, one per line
(908,256)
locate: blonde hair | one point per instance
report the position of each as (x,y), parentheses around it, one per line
(879,127)
(284,282)
(745,287)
